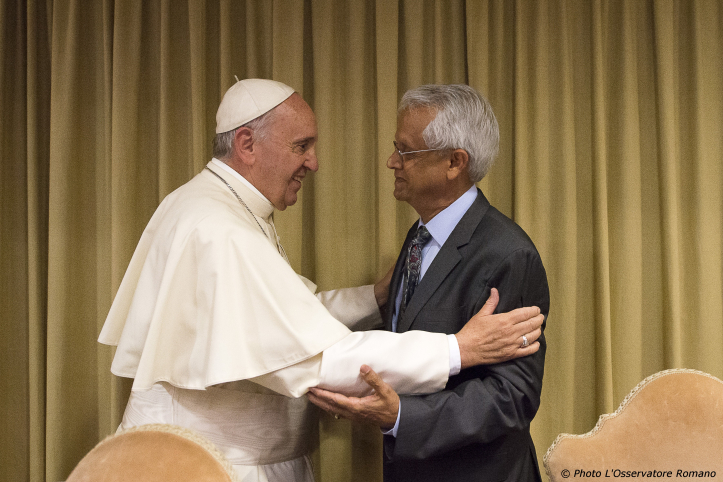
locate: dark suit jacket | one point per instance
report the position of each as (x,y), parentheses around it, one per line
(478,428)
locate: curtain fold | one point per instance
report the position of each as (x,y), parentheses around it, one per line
(610,115)
(670,171)
(17,340)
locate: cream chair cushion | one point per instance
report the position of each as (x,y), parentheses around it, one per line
(151,453)
(671,422)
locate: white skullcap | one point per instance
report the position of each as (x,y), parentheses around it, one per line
(248,99)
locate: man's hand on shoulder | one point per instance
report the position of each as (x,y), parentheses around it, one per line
(380,408)
(488,338)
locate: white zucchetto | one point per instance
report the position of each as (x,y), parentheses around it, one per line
(248,99)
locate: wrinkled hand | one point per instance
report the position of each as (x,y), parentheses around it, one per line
(487,339)
(380,408)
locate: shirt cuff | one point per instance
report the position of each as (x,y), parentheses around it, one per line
(455,365)
(455,359)
(393,430)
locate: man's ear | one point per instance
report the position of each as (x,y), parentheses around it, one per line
(458,163)
(244,146)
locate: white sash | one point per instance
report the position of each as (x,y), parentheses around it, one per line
(249,428)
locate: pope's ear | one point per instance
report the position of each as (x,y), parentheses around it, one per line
(244,145)
(458,163)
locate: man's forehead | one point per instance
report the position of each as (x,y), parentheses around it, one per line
(296,114)
(413,121)
(296,103)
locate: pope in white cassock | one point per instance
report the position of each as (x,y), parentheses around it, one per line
(221,335)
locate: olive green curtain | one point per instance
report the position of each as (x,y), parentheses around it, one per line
(611,119)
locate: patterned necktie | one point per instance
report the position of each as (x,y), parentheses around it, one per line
(413,266)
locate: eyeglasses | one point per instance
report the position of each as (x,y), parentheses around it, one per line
(402,154)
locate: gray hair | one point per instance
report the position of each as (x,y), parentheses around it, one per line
(464,120)
(223,143)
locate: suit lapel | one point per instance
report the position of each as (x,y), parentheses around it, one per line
(445,261)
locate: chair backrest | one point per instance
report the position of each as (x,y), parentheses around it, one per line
(151,453)
(669,426)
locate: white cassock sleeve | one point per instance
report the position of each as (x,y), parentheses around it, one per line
(412,363)
(355,307)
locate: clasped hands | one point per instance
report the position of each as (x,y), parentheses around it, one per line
(486,339)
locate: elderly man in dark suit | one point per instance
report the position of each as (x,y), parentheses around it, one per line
(461,251)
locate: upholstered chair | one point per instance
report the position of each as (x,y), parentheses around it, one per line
(669,427)
(154,453)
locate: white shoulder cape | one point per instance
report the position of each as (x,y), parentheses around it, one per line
(207,298)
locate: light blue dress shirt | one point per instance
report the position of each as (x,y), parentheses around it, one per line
(440,227)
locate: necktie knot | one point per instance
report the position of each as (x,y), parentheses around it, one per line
(421,236)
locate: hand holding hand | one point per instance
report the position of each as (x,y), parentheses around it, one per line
(487,338)
(380,408)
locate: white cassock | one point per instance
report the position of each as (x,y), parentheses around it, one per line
(221,335)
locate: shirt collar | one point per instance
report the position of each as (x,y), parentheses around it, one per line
(442,225)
